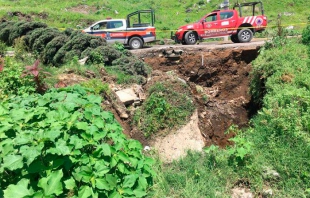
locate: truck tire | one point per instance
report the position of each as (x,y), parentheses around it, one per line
(190,38)
(234,38)
(135,43)
(245,35)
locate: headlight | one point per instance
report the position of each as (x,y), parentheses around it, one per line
(179,30)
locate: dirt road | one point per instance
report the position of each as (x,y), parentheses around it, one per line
(203,46)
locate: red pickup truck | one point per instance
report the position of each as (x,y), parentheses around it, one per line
(236,23)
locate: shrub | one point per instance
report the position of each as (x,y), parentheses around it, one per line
(20,29)
(5,28)
(165,108)
(77,43)
(2,48)
(62,144)
(11,82)
(105,54)
(131,66)
(52,48)
(41,41)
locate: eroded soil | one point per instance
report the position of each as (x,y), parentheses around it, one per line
(219,80)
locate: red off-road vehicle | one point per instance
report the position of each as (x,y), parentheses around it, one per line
(240,23)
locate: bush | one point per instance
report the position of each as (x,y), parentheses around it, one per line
(2,48)
(61,144)
(41,41)
(52,48)
(103,54)
(5,28)
(165,108)
(11,82)
(306,36)
(20,29)
(131,66)
(77,44)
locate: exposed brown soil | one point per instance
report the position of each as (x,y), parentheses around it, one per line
(219,79)
(84,9)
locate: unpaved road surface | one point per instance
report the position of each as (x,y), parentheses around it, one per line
(203,46)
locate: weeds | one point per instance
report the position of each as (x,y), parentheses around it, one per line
(165,108)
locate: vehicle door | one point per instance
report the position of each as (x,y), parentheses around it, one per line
(210,26)
(116,31)
(99,29)
(227,23)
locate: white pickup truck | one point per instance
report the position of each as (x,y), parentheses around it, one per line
(134,34)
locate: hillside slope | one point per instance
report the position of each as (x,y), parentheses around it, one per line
(169,14)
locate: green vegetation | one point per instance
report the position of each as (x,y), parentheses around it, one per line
(164,108)
(169,14)
(11,81)
(62,144)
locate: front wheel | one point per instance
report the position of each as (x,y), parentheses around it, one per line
(245,35)
(135,43)
(190,38)
(234,38)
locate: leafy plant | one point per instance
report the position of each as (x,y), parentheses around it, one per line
(96,85)
(62,144)
(11,82)
(164,109)
(2,48)
(34,71)
(240,152)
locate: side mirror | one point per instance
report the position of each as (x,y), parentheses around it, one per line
(91,28)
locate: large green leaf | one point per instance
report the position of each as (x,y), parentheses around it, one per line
(6,147)
(52,183)
(106,151)
(13,162)
(70,184)
(101,168)
(60,149)
(129,181)
(30,153)
(102,184)
(19,190)
(82,125)
(85,192)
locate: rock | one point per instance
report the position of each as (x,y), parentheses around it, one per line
(270,174)
(182,80)
(267,193)
(127,96)
(290,27)
(241,193)
(83,60)
(288,13)
(147,148)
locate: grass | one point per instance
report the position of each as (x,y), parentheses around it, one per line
(169,14)
(167,106)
